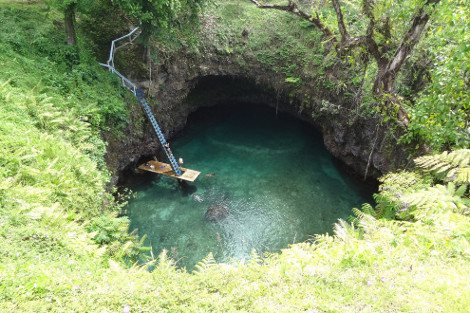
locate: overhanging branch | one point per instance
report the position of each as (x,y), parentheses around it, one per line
(294,9)
(410,38)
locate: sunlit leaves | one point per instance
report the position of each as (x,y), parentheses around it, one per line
(440,115)
(454,166)
(162,17)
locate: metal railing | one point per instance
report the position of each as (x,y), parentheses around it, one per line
(110,63)
(132,36)
(125,82)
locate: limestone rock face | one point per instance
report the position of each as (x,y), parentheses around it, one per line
(216,213)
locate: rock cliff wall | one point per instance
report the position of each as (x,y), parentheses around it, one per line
(184,81)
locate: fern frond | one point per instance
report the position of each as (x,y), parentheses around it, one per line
(164,263)
(451,188)
(455,163)
(359,214)
(255,258)
(439,197)
(460,192)
(87,147)
(205,263)
(463,175)
(368,224)
(465,162)
(344,230)
(306,246)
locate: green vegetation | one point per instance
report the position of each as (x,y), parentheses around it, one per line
(410,63)
(440,112)
(159,17)
(237,28)
(63,249)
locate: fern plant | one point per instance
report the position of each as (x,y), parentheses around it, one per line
(441,197)
(450,166)
(205,264)
(255,258)
(109,228)
(390,203)
(440,183)
(112,231)
(359,214)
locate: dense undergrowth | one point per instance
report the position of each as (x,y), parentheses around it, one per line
(411,253)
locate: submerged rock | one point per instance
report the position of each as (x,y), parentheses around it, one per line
(216,213)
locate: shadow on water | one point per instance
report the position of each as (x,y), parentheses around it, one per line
(273,175)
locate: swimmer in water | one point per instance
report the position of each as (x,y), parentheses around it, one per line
(210,175)
(197,198)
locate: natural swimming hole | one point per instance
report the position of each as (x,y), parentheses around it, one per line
(272,173)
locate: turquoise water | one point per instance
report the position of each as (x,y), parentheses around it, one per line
(274,175)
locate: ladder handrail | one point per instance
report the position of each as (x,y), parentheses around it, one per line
(113,49)
(126,82)
(140,96)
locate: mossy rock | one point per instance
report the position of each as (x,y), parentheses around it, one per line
(216,213)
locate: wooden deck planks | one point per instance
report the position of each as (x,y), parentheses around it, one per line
(165,169)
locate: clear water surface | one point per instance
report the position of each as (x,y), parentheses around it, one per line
(272,173)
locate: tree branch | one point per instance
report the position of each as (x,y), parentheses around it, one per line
(367,6)
(386,28)
(410,39)
(369,44)
(294,9)
(339,17)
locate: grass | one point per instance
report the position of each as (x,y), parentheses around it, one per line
(238,28)
(53,203)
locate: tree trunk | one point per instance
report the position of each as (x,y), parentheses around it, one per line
(382,80)
(388,68)
(70,24)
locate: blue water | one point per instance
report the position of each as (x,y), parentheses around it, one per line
(272,173)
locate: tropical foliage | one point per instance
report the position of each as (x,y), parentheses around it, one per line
(440,113)
(407,42)
(163,19)
(442,184)
(64,249)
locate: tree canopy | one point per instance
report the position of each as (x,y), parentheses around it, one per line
(440,112)
(388,33)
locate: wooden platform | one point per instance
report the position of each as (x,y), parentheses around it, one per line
(165,169)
